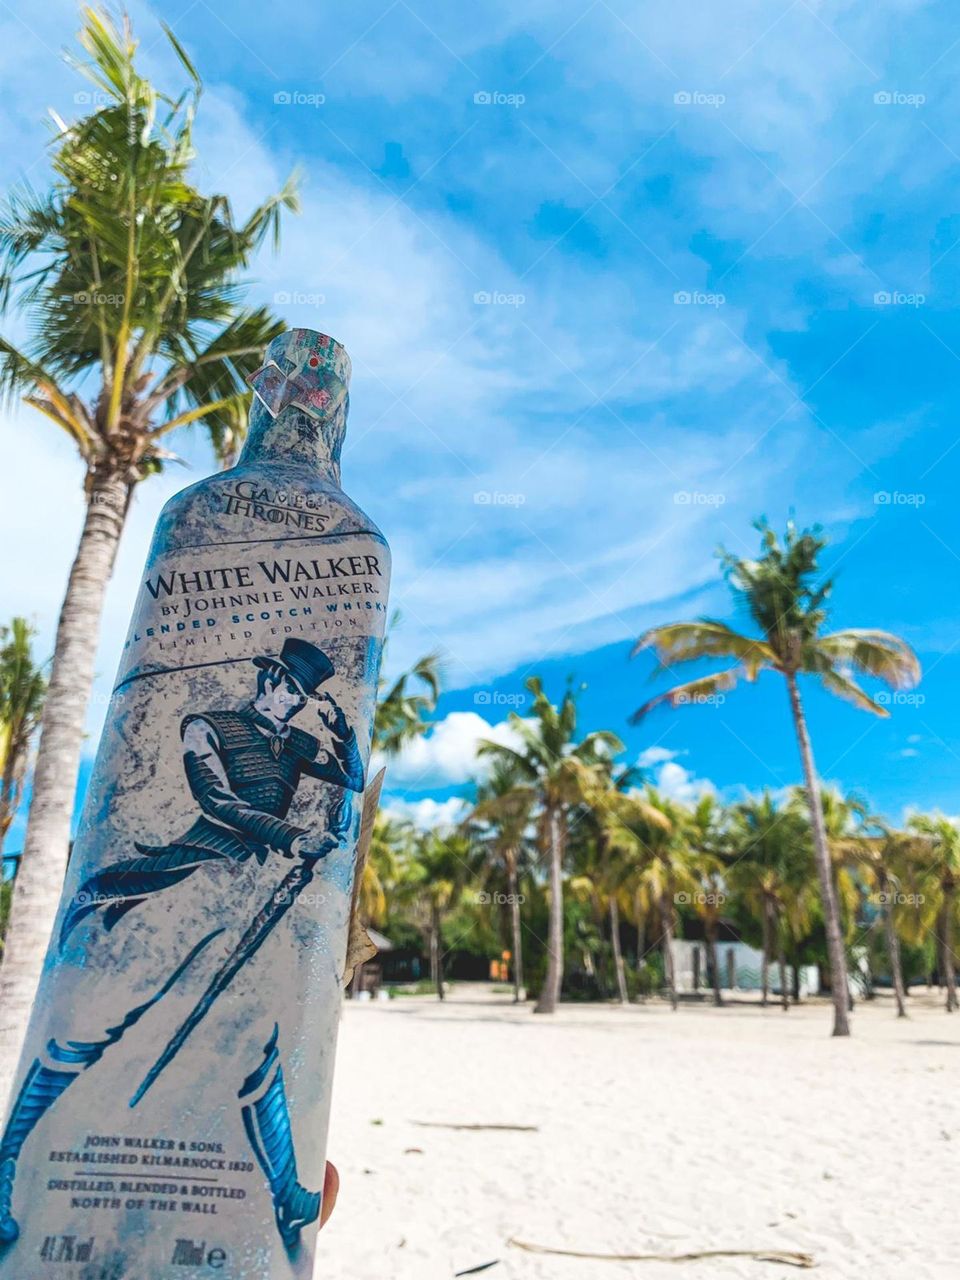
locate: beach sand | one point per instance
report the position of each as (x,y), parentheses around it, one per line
(659,1132)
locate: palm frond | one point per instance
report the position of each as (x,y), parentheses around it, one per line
(876,653)
(850,691)
(677,642)
(692,693)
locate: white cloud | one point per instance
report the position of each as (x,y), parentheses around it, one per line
(654,755)
(428,814)
(448,753)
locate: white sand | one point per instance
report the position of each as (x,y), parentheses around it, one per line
(739,1128)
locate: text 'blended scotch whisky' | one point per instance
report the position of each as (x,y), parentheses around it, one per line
(170,1110)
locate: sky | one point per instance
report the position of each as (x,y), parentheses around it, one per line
(616,279)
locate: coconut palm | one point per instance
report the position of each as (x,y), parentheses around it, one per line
(128,279)
(663,874)
(940,869)
(550,760)
(784,600)
(499,822)
(608,850)
(708,839)
(434,873)
(770,863)
(23,687)
(879,852)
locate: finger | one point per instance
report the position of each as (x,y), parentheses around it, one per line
(331,1189)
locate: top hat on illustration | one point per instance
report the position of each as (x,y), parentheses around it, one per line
(306,665)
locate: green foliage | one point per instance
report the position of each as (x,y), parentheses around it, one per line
(23,688)
(129,274)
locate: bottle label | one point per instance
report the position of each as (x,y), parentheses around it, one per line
(173,1099)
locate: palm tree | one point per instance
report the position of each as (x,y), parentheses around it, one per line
(663,873)
(879,850)
(128,277)
(770,862)
(607,822)
(941,869)
(549,760)
(23,687)
(499,822)
(434,874)
(708,841)
(783,599)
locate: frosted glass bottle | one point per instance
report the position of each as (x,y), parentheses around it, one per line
(170,1110)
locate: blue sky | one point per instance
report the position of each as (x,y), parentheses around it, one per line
(616,280)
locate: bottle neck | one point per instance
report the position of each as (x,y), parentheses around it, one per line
(296,438)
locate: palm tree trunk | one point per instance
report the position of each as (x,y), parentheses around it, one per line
(893,956)
(40,878)
(949,970)
(669,969)
(782,967)
(831,916)
(617,953)
(436,960)
(711,932)
(515,927)
(550,992)
(765,960)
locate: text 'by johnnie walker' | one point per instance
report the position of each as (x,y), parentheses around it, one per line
(170,1111)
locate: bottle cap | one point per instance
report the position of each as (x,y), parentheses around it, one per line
(304,368)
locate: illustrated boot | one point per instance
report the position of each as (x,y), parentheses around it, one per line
(45,1083)
(266,1119)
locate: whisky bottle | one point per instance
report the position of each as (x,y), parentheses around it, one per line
(171,1104)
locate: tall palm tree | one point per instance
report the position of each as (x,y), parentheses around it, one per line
(128,277)
(941,871)
(610,846)
(434,873)
(663,874)
(879,851)
(499,822)
(23,687)
(769,861)
(708,840)
(550,759)
(784,600)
